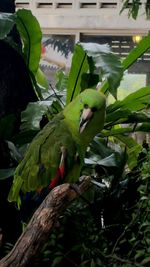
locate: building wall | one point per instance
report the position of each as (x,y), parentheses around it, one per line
(83,16)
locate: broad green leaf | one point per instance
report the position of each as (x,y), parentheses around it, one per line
(39,89)
(78,67)
(108,64)
(133,8)
(136,101)
(125,116)
(6,173)
(61,80)
(100,148)
(33,114)
(144,127)
(7,22)
(31,35)
(137,52)
(146,260)
(109,161)
(134,54)
(89,80)
(133,149)
(138,117)
(115,132)
(139,253)
(41,79)
(13,150)
(57,260)
(54,109)
(117,117)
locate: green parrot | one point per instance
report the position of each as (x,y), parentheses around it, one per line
(56,154)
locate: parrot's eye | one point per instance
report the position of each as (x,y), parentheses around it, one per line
(94,109)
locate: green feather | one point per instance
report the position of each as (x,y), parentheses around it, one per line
(42,158)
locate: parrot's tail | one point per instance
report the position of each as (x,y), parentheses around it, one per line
(14,191)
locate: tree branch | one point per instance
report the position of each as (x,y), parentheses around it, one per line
(42,223)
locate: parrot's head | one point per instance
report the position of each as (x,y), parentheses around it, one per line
(85,115)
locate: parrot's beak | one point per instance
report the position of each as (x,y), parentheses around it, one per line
(86,115)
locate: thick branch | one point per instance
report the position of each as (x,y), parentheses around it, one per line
(41,224)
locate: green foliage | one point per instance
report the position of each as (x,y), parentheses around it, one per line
(6,173)
(31,37)
(133,7)
(110,233)
(106,62)
(7,22)
(94,60)
(113,229)
(78,67)
(137,52)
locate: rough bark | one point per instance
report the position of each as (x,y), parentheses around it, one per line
(42,224)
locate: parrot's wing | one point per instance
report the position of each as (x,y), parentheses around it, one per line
(44,159)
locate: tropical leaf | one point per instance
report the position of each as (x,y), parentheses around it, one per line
(117,117)
(134,54)
(61,80)
(91,63)
(33,114)
(31,35)
(106,62)
(109,161)
(144,127)
(126,116)
(6,173)
(98,147)
(41,79)
(134,102)
(78,67)
(119,131)
(137,52)
(133,149)
(133,8)
(7,22)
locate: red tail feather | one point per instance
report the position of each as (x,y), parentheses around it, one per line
(58,178)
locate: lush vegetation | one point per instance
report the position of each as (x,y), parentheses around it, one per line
(110,226)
